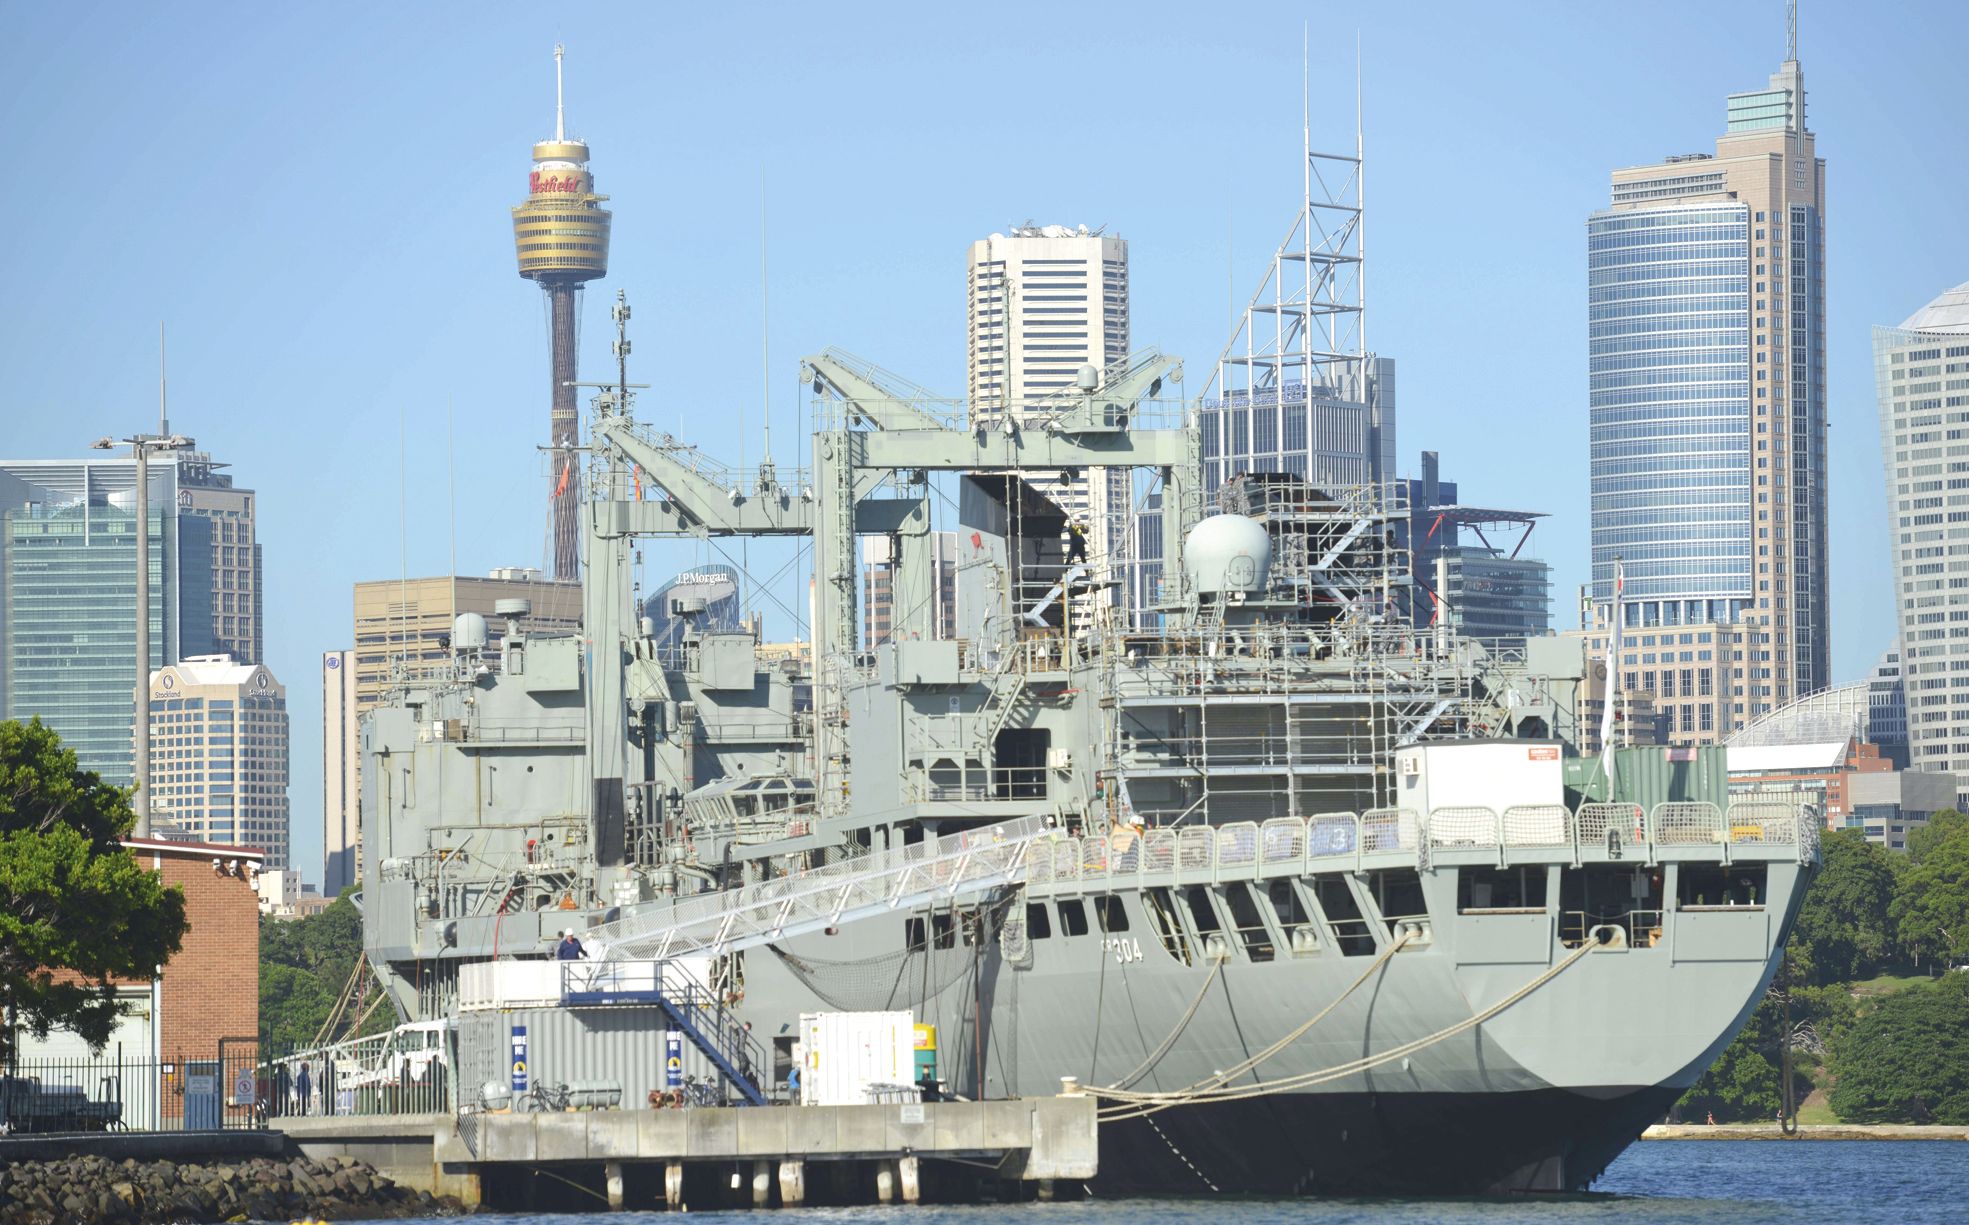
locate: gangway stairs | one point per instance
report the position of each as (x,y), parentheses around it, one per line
(939,868)
(698,1013)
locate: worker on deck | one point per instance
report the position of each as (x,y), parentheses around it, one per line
(1076,542)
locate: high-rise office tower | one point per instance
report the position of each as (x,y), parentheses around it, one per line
(206,492)
(218,734)
(561,237)
(1044,302)
(1706,323)
(341,789)
(68,583)
(403,626)
(1921,370)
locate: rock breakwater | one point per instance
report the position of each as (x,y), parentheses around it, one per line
(101,1191)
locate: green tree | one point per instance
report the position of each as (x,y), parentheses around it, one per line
(77,911)
(1844,930)
(1931,900)
(1939,829)
(305,964)
(1907,1061)
(1742,1085)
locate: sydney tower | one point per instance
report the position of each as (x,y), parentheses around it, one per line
(561,237)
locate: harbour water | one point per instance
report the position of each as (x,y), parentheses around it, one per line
(1716,1182)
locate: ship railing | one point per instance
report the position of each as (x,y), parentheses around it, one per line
(1611,826)
(941,866)
(1686,823)
(1344,841)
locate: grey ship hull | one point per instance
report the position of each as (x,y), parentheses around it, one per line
(1540,1098)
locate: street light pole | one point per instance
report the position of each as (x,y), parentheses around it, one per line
(141,445)
(141,450)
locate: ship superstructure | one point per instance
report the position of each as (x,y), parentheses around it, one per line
(1301,891)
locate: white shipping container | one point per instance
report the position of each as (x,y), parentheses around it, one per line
(842,1053)
(1493,774)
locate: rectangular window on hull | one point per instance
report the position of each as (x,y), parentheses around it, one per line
(1073,918)
(1112,915)
(1500,890)
(1610,895)
(1039,926)
(1700,885)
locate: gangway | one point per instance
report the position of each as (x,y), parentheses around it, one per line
(703,1017)
(941,867)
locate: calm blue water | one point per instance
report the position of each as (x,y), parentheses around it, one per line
(1708,1182)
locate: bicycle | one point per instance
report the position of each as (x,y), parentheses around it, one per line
(701,1093)
(546,1099)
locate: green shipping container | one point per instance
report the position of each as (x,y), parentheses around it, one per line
(1653,774)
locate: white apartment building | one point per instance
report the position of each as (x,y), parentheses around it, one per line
(1045,301)
(1921,371)
(218,735)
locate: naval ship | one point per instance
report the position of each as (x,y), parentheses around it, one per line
(1315,901)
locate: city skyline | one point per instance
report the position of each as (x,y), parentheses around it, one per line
(346,375)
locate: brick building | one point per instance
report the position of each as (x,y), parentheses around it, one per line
(208,993)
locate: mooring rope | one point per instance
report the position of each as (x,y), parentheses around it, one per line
(1134,1105)
(1182,1023)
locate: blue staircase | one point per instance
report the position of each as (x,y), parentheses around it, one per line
(698,1014)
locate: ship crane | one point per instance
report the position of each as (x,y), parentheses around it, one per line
(1089,427)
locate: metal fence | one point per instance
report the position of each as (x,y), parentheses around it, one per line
(113,1092)
(405,1071)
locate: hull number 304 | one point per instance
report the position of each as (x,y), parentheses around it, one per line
(1123,948)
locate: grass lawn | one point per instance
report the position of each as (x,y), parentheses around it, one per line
(1886,984)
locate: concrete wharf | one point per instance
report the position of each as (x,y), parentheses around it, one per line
(724,1156)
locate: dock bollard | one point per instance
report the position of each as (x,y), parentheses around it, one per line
(1070,1087)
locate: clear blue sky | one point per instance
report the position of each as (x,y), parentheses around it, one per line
(314,198)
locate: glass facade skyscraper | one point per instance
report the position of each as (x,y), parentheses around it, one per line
(68,582)
(1668,307)
(1706,400)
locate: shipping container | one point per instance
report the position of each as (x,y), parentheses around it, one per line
(1493,774)
(621,1046)
(1654,774)
(846,1052)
